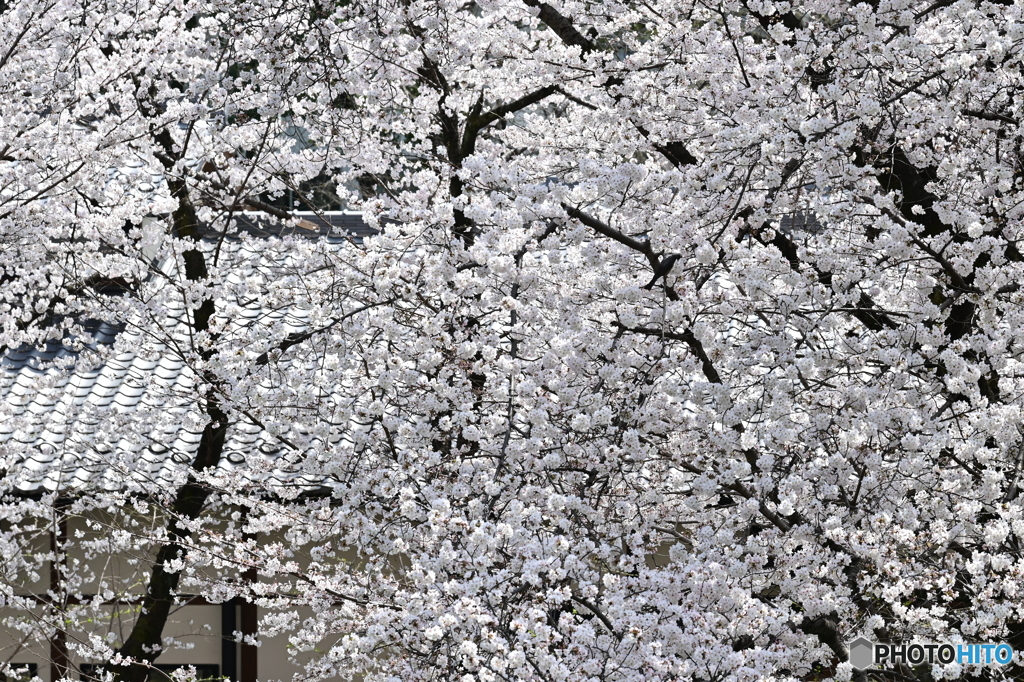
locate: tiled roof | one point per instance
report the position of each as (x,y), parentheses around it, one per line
(60,403)
(335,224)
(800,221)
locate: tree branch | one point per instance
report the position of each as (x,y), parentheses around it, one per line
(687,337)
(596,225)
(477,122)
(676,152)
(597,612)
(562,26)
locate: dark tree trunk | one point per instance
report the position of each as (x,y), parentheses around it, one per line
(143,644)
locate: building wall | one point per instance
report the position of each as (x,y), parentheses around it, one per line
(196,628)
(274,662)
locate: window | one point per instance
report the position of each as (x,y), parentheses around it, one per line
(20,672)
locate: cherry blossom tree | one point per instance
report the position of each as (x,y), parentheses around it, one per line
(687,348)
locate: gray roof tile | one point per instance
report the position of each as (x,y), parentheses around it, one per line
(57,420)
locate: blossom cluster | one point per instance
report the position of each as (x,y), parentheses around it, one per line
(479,447)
